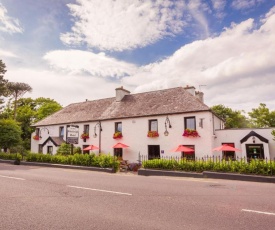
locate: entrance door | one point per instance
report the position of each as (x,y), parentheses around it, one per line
(118,153)
(153,152)
(255,151)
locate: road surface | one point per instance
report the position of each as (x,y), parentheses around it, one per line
(54,198)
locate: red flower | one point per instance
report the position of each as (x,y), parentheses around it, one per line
(117,135)
(190,133)
(36,137)
(84,136)
(152,134)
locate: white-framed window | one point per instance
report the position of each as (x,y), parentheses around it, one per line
(153,125)
(118,127)
(190,123)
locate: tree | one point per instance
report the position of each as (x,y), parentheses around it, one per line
(3,82)
(233,119)
(17,90)
(261,117)
(45,107)
(64,149)
(30,111)
(10,133)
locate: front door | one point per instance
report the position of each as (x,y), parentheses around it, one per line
(255,151)
(118,153)
(153,152)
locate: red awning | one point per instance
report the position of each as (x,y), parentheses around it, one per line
(182,148)
(226,148)
(120,146)
(91,147)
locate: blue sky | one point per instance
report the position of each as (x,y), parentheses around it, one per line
(72,50)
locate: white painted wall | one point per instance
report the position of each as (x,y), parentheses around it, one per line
(235,135)
(135,131)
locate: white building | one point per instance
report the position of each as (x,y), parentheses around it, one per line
(165,112)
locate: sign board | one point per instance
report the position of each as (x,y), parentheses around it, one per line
(72,134)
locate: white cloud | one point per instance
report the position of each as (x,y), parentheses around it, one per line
(218,4)
(8,24)
(79,62)
(124,24)
(197,9)
(62,88)
(241,4)
(235,66)
(5,53)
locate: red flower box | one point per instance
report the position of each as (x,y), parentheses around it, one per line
(190,133)
(84,136)
(36,137)
(152,134)
(117,135)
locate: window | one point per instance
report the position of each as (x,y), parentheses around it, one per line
(118,127)
(153,125)
(37,130)
(86,151)
(153,152)
(50,150)
(86,129)
(118,153)
(189,155)
(61,131)
(190,123)
(228,154)
(201,122)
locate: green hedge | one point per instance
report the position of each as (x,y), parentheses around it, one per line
(10,156)
(102,161)
(259,167)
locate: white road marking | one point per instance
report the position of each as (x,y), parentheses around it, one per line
(15,178)
(259,212)
(99,190)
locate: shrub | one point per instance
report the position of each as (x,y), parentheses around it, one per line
(102,161)
(259,167)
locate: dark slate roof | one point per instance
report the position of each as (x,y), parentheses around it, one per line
(161,102)
(57,141)
(252,133)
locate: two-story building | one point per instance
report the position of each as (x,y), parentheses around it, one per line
(151,124)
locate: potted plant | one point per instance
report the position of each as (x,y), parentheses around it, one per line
(117,135)
(85,136)
(152,134)
(190,133)
(36,137)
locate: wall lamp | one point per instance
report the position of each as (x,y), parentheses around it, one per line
(40,130)
(253,139)
(100,128)
(167,121)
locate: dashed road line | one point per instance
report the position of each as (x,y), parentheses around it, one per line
(15,178)
(259,212)
(100,190)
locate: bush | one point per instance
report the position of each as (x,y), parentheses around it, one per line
(102,161)
(259,167)
(10,156)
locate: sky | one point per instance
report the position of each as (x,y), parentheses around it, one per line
(73,50)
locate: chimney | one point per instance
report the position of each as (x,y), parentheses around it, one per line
(120,93)
(190,89)
(199,95)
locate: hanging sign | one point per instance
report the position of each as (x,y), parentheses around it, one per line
(72,134)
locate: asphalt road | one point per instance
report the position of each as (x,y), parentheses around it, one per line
(52,198)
